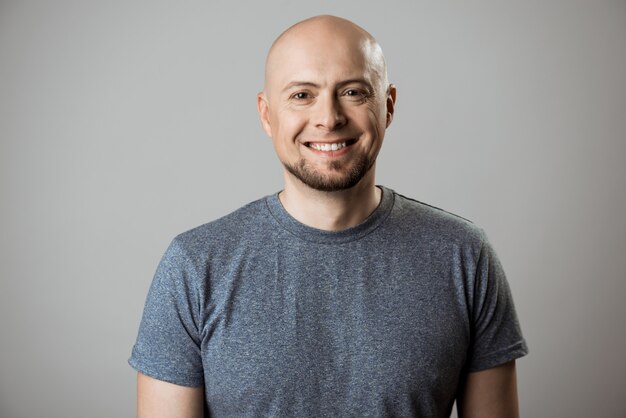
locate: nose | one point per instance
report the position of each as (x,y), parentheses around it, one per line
(329,114)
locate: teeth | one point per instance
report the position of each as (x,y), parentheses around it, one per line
(328,147)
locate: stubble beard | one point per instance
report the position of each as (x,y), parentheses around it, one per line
(343,178)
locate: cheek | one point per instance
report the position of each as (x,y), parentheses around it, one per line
(376,124)
(289,123)
(376,120)
(380,110)
(381,118)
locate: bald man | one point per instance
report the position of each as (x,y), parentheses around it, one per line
(335,296)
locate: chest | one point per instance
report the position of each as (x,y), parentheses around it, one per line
(287,327)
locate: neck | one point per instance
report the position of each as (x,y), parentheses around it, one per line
(330,211)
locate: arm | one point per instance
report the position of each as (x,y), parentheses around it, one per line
(490,393)
(159,399)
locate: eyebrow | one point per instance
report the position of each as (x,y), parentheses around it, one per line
(310,84)
(299,84)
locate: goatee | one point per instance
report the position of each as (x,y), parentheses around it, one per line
(343,178)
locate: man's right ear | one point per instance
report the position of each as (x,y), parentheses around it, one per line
(264,112)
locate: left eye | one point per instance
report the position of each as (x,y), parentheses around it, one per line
(353,92)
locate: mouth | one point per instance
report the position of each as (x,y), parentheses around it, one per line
(328,147)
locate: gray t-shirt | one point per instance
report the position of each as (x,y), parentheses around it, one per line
(275,318)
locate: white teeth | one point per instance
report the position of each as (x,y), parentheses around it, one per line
(328,147)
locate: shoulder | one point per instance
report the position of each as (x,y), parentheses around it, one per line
(226,232)
(434,224)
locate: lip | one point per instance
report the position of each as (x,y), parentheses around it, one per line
(349,142)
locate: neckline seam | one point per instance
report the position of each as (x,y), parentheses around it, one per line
(287,223)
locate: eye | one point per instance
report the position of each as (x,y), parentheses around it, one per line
(355,94)
(301,95)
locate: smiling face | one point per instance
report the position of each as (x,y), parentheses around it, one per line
(326,103)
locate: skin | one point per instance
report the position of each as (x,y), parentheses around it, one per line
(490,393)
(159,399)
(326,82)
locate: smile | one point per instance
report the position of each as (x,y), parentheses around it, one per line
(328,147)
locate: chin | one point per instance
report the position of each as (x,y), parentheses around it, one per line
(342,178)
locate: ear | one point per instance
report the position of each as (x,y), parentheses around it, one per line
(391,103)
(262,107)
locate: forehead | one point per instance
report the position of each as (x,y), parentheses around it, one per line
(324,58)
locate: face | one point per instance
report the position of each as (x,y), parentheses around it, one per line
(326,107)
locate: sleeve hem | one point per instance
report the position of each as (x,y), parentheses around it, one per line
(189,381)
(510,353)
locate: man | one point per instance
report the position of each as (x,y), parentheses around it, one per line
(335,297)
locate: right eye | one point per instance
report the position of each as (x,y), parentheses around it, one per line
(301,95)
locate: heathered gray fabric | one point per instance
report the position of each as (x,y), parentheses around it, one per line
(278,319)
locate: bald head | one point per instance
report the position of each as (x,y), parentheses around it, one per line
(316,36)
(326,104)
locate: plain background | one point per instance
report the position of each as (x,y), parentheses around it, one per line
(123,124)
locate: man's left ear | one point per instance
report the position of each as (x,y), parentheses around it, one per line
(391,103)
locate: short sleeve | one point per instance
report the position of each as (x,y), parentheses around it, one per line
(496,333)
(168,342)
